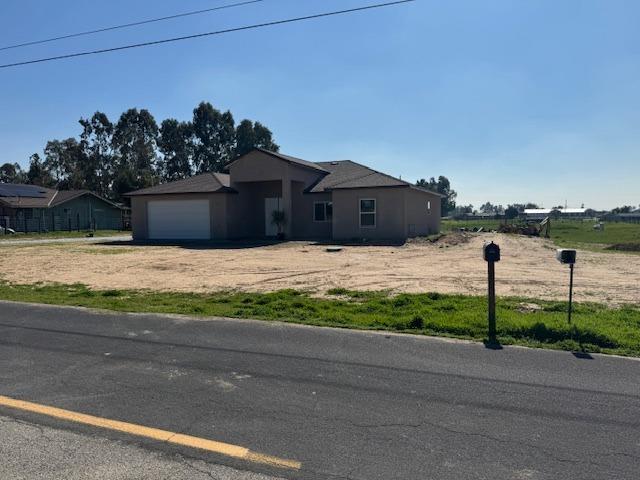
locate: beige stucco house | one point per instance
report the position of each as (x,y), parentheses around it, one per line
(340,200)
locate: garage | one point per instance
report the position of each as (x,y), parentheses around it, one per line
(179,220)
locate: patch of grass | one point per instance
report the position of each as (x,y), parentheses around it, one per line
(616,236)
(60,234)
(565,232)
(595,328)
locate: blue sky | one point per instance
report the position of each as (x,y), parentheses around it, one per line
(514,101)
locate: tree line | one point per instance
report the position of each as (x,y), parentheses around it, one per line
(514,210)
(112,159)
(443,187)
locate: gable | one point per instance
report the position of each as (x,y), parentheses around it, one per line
(260,166)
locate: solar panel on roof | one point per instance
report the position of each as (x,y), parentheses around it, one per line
(31,191)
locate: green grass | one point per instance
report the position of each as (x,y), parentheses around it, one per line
(596,328)
(60,234)
(582,234)
(571,233)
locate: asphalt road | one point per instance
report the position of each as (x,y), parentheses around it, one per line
(35,241)
(345,404)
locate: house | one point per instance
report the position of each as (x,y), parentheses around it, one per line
(340,200)
(30,208)
(568,213)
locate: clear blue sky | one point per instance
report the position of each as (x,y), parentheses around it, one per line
(514,101)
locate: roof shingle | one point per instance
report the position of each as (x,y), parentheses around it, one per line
(204,183)
(347,174)
(51,198)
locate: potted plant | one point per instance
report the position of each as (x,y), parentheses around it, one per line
(279,219)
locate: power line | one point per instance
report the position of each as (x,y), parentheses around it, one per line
(206,34)
(128,25)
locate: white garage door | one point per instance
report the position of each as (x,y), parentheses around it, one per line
(179,220)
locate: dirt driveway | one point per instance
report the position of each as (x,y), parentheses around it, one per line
(528,268)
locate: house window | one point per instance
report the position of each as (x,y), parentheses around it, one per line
(429,206)
(367,212)
(322,211)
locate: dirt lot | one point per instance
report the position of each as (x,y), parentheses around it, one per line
(455,265)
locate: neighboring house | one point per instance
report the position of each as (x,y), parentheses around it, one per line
(30,208)
(569,213)
(326,200)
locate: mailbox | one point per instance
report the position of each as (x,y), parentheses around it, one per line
(564,255)
(491,252)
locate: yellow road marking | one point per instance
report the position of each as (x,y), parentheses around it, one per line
(221,448)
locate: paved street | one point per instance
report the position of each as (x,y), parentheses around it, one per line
(344,404)
(31,451)
(36,241)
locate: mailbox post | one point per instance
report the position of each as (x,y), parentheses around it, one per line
(566,256)
(491,254)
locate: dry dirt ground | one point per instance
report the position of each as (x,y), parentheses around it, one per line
(528,268)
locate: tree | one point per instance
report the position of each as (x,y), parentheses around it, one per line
(462,209)
(113,159)
(175,143)
(250,136)
(488,208)
(623,209)
(37,174)
(98,166)
(245,138)
(12,173)
(443,187)
(214,136)
(511,212)
(134,143)
(64,162)
(555,213)
(531,205)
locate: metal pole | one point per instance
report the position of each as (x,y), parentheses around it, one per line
(492,302)
(570,290)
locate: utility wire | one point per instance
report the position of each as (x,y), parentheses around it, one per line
(128,25)
(199,35)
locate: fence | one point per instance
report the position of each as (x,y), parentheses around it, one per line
(41,223)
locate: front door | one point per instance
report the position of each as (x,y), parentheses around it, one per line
(270,205)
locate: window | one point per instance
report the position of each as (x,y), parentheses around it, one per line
(322,211)
(367,212)
(429,206)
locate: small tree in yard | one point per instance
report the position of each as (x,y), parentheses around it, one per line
(279,219)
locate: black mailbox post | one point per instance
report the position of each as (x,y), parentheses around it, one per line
(491,254)
(568,256)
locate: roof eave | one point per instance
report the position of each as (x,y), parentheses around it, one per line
(424,190)
(146,194)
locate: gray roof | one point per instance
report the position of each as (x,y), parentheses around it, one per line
(51,198)
(345,174)
(212,182)
(17,201)
(63,196)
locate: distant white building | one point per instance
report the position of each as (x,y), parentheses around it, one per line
(542,213)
